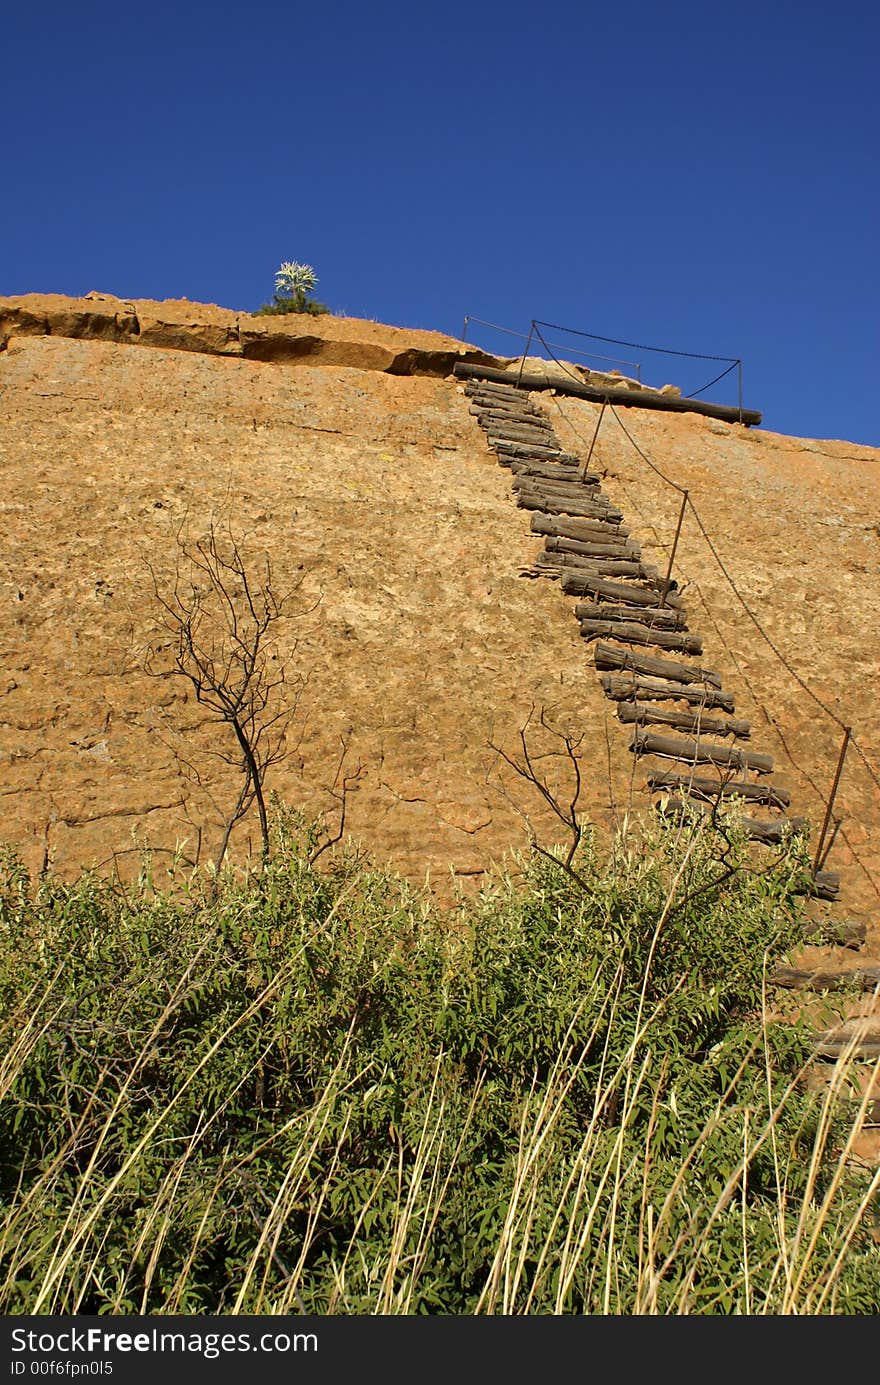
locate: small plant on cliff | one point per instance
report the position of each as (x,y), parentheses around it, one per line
(294,284)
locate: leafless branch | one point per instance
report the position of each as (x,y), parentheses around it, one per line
(219,624)
(568,813)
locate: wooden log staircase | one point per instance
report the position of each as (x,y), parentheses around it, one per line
(627,611)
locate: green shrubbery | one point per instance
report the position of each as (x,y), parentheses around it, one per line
(310,1090)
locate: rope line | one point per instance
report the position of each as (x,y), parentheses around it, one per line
(636,346)
(644,455)
(694,394)
(866,871)
(524,336)
(838,722)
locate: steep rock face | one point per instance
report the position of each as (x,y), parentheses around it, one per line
(425,645)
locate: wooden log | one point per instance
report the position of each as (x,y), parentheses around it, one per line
(613,548)
(773,833)
(524,451)
(522,408)
(697,752)
(521,412)
(767,833)
(509,423)
(834,1044)
(657,618)
(520,432)
(639,399)
(553,471)
(626,686)
(499,395)
(642,713)
(711,790)
(849,933)
(491,408)
(826,979)
(510,430)
(531,471)
(824,885)
(630,632)
(620,593)
(548,471)
(578,528)
(607,657)
(573,489)
(550,505)
(487,385)
(601,566)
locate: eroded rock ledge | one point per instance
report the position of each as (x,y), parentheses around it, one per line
(178,325)
(298,338)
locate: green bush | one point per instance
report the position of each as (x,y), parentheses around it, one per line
(313,1091)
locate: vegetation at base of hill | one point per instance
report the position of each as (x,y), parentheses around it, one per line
(294,283)
(302,1090)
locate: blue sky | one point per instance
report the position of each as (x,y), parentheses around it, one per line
(690,175)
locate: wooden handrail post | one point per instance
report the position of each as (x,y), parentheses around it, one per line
(525,353)
(668,577)
(595,436)
(847,732)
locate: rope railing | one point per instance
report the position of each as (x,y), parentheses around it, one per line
(849,740)
(524,336)
(731,362)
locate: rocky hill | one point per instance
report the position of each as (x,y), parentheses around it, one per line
(425,628)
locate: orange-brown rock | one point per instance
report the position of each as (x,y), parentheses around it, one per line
(367,481)
(179,325)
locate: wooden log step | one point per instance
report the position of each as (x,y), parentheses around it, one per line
(551,490)
(659,618)
(641,713)
(826,979)
(825,884)
(606,657)
(621,686)
(836,1043)
(773,833)
(630,632)
(510,427)
(621,593)
(849,933)
(549,471)
(770,833)
(601,567)
(501,396)
(711,790)
(525,450)
(573,488)
(486,385)
(583,509)
(577,528)
(520,432)
(566,472)
(613,548)
(697,752)
(567,488)
(508,413)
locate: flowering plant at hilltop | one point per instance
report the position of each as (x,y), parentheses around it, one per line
(294,283)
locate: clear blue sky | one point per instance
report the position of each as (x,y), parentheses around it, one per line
(695,175)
